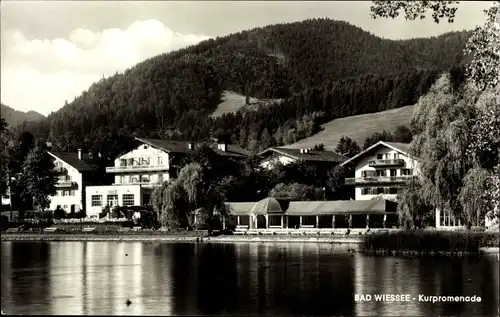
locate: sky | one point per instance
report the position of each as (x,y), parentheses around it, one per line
(52,51)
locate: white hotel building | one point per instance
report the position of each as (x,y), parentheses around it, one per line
(382,170)
(139,171)
(74,175)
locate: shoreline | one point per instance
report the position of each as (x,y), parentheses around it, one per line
(174,238)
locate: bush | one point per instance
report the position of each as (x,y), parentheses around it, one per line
(428,242)
(59,213)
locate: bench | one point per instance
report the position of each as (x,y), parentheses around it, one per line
(240,230)
(50,229)
(326,232)
(267,232)
(88,229)
(311,232)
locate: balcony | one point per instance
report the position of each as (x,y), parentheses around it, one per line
(137,168)
(147,184)
(389,162)
(60,169)
(379,179)
(65,183)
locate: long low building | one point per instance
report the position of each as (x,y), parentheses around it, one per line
(271,213)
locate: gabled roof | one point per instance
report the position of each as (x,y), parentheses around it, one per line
(317,208)
(399,147)
(314,208)
(311,155)
(73,160)
(182,147)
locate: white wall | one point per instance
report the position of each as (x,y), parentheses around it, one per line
(363,165)
(119,190)
(78,198)
(155,156)
(273,160)
(154,177)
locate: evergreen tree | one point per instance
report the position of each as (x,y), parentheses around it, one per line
(39,178)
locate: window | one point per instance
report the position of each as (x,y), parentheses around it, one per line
(135,179)
(393,190)
(386,190)
(96,201)
(72,192)
(130,161)
(380,173)
(406,171)
(380,190)
(380,156)
(145,179)
(128,200)
(160,178)
(396,156)
(122,179)
(123,162)
(146,199)
(65,207)
(160,160)
(112,200)
(393,172)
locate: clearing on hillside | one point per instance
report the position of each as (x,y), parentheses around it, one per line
(357,127)
(232,102)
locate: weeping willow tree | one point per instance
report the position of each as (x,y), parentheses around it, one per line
(175,202)
(458,140)
(412,207)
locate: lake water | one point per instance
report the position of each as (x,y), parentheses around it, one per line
(96,278)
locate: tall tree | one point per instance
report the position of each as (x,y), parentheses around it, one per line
(39,178)
(376,137)
(347,147)
(402,134)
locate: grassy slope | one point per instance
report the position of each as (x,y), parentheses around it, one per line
(232,102)
(357,127)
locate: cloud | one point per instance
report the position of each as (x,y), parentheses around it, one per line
(40,74)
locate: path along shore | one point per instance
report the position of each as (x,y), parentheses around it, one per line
(174,238)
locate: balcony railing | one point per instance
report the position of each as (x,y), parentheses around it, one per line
(64,183)
(141,183)
(389,162)
(137,168)
(60,169)
(379,179)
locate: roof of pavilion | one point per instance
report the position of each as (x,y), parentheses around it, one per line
(313,208)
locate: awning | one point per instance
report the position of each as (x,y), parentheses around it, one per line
(315,208)
(240,209)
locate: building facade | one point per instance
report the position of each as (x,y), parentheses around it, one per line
(74,175)
(381,171)
(138,172)
(274,156)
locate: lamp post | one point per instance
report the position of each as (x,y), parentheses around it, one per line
(10,196)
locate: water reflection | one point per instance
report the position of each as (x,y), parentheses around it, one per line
(83,278)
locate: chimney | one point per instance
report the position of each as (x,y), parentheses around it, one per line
(190,146)
(222,147)
(79,154)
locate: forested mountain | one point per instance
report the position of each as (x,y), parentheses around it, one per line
(15,117)
(323,69)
